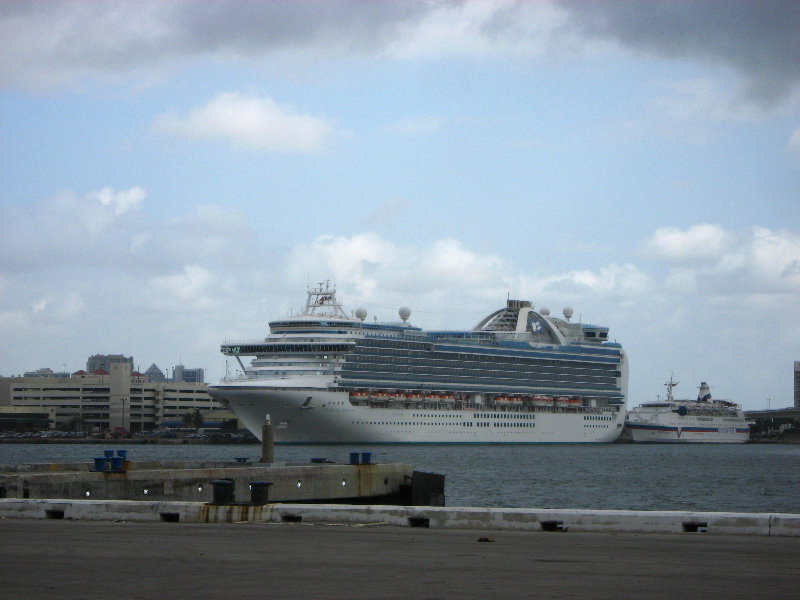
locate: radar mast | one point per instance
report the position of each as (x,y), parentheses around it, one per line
(669,385)
(321,301)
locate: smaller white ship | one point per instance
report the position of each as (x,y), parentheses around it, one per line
(691,421)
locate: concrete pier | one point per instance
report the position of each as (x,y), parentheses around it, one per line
(191,482)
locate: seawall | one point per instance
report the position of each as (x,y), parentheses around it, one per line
(193,482)
(475,518)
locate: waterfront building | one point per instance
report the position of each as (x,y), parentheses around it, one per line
(45,372)
(181,373)
(797,384)
(115,400)
(104,361)
(154,374)
(21,418)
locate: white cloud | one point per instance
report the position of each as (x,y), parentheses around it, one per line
(774,257)
(58,306)
(70,305)
(60,43)
(67,227)
(611,282)
(356,262)
(700,100)
(717,261)
(371,265)
(254,122)
(39,305)
(189,289)
(794,142)
(121,201)
(450,262)
(694,110)
(480,28)
(698,243)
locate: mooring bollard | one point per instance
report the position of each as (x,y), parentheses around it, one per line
(259,492)
(223,491)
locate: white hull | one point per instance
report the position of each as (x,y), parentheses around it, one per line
(687,429)
(322,416)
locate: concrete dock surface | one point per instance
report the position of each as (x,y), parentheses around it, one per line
(46,559)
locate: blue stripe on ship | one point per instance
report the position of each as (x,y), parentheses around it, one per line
(700,429)
(651,427)
(682,429)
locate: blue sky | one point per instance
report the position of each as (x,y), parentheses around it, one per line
(173,174)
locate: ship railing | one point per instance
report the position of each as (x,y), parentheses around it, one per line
(235,379)
(386,401)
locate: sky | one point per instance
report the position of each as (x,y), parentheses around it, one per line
(174,174)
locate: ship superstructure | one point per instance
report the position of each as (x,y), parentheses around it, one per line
(704,420)
(518,376)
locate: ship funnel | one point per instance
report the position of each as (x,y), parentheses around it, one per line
(704,395)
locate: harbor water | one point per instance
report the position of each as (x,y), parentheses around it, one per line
(733,478)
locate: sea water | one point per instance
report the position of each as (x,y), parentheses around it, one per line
(702,477)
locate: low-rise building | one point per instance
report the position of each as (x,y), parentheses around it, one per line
(114,400)
(23,418)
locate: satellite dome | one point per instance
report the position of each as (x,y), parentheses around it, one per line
(568,312)
(361,314)
(404,312)
(544,311)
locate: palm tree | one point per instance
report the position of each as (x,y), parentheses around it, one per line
(193,418)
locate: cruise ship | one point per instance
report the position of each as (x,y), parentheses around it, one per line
(519,376)
(690,421)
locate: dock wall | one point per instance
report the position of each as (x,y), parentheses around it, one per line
(489,519)
(191,482)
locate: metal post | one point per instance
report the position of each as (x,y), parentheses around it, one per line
(267,442)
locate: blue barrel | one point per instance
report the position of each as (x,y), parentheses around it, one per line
(366,458)
(116,463)
(123,454)
(108,453)
(100,463)
(354,458)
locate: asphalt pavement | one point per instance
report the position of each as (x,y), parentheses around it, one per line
(48,559)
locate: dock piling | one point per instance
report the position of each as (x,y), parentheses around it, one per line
(267,442)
